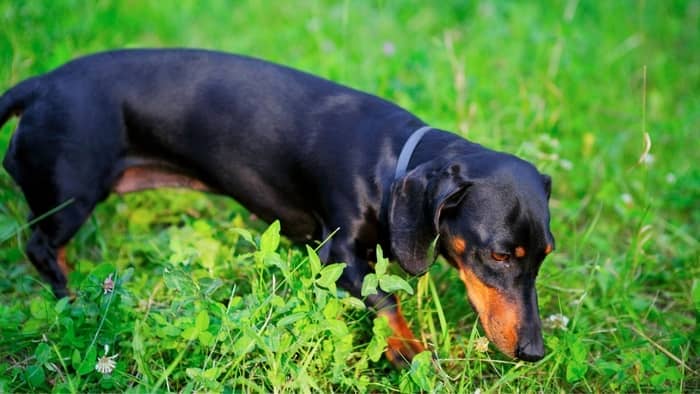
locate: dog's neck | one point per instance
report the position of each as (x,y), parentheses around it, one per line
(437,140)
(407,151)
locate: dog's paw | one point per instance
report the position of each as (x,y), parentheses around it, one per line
(400,351)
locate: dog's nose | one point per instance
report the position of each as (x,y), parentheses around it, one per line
(530,351)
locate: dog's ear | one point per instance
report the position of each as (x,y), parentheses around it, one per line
(416,202)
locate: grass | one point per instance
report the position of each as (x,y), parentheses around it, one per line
(207,298)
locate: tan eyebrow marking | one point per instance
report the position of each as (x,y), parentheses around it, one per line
(460,245)
(519,252)
(548,249)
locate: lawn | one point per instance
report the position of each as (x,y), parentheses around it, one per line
(602,95)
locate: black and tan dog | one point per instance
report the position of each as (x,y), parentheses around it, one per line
(289,146)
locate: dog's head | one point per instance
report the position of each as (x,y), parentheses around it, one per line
(488,215)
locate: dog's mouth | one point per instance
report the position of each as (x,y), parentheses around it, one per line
(512,324)
(499,315)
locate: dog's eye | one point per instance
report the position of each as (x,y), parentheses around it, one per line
(500,256)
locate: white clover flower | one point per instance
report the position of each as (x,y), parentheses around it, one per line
(106,364)
(626,198)
(556,321)
(481,344)
(648,159)
(108,284)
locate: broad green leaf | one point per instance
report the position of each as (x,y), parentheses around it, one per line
(202,321)
(35,375)
(42,353)
(61,304)
(89,362)
(190,333)
(382,263)
(210,285)
(243,345)
(353,302)
(211,373)
(245,234)
(8,228)
(392,283)
(140,218)
(330,274)
(422,370)
(270,239)
(193,373)
(75,359)
(575,371)
(290,319)
(377,345)
(369,285)
(337,327)
(207,250)
(176,279)
(332,309)
(40,308)
(314,261)
(202,228)
(206,338)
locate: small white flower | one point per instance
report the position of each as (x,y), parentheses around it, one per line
(481,344)
(626,198)
(477,391)
(389,48)
(108,284)
(106,364)
(648,159)
(557,320)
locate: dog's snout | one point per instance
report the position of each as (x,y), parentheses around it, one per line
(530,351)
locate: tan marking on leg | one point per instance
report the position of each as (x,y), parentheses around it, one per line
(548,249)
(402,346)
(143,178)
(499,315)
(62,262)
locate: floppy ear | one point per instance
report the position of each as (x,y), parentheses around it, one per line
(414,212)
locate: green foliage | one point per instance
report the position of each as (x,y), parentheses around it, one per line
(208,299)
(382,280)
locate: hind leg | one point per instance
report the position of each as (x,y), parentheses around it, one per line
(61,160)
(46,247)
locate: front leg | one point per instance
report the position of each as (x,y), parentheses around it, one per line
(402,345)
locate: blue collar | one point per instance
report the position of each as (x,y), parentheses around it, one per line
(407,151)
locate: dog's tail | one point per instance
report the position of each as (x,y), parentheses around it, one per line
(15,100)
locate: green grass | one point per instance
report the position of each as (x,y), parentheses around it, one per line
(203,302)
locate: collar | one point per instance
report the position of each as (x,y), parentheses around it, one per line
(407,151)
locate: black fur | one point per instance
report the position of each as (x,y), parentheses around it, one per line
(287,145)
